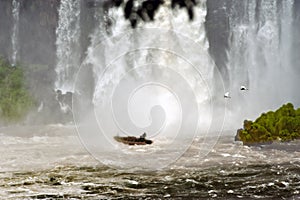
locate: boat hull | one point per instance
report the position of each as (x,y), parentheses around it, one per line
(131,140)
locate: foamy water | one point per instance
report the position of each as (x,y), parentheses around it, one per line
(51,163)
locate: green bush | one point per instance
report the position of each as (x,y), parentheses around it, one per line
(15,99)
(281,125)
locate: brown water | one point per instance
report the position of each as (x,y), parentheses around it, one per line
(50,163)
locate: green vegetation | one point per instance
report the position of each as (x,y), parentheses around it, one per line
(281,125)
(15,99)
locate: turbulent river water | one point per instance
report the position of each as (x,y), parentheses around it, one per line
(49,162)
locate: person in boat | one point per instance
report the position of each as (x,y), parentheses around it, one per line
(143,137)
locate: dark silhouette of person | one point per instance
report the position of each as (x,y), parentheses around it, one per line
(143,136)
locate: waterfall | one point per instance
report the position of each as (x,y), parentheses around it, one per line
(166,19)
(68,51)
(259,54)
(15,31)
(157,78)
(260,57)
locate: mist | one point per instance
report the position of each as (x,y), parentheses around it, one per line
(222,49)
(260,57)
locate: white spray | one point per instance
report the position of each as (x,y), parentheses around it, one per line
(67,44)
(260,58)
(166,19)
(15,31)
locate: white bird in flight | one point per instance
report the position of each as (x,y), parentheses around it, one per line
(243,87)
(226,95)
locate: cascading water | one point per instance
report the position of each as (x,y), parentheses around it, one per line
(157,78)
(167,20)
(15,31)
(133,71)
(68,49)
(259,53)
(259,57)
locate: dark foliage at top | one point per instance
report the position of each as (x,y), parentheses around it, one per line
(135,10)
(281,125)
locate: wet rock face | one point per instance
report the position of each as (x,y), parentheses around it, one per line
(296,58)
(37,52)
(217,27)
(38,21)
(5,27)
(36,46)
(37,24)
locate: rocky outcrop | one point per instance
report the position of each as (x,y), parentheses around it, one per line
(282,125)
